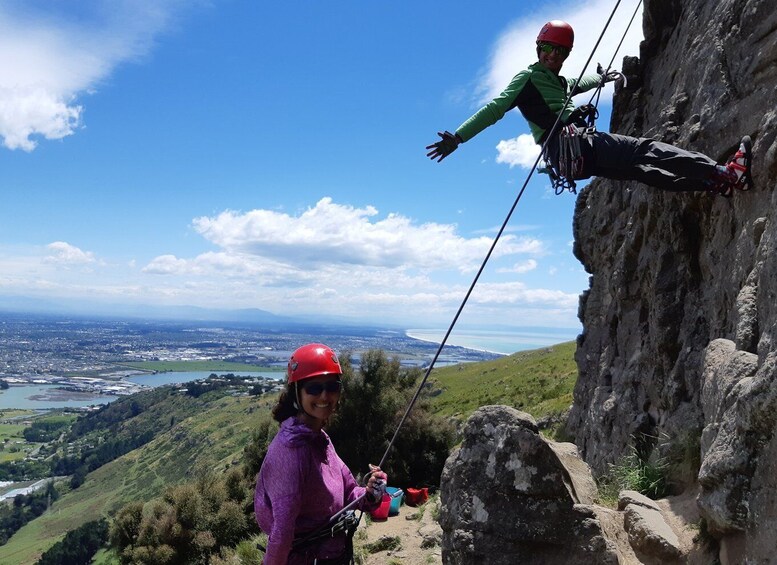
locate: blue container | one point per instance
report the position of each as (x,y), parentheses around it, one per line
(396,495)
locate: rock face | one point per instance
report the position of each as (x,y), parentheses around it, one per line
(680,320)
(509,496)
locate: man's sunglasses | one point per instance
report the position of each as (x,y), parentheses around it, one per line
(314,389)
(548,48)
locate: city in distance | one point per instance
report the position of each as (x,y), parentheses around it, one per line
(99,357)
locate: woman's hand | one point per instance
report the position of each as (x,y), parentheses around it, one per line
(376,484)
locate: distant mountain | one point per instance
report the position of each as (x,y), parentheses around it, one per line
(244,316)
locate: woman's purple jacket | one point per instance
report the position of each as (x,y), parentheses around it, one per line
(302,483)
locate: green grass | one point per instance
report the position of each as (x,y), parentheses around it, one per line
(68,418)
(10,434)
(105,557)
(648,477)
(539,382)
(213,439)
(179,366)
(15,413)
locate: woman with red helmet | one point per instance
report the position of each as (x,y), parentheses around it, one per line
(303,482)
(541,95)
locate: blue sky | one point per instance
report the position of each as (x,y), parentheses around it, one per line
(243,154)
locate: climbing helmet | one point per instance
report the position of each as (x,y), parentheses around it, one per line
(557,32)
(312,360)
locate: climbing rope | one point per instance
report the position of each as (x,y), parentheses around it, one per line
(428,372)
(604,72)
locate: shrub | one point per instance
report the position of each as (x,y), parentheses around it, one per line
(189,524)
(372,404)
(646,475)
(78,546)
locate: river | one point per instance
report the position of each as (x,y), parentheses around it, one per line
(49,397)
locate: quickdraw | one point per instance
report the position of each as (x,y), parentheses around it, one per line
(571,162)
(570,157)
(345,525)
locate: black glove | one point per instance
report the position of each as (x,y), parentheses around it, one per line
(444,147)
(610,76)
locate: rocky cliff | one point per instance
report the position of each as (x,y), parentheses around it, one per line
(679,349)
(680,321)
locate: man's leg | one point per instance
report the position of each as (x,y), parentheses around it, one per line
(651,162)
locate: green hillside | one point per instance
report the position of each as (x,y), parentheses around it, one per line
(214,438)
(539,382)
(210,432)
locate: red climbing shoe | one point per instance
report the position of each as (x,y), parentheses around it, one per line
(739,165)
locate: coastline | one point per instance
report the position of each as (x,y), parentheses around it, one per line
(449,342)
(498,343)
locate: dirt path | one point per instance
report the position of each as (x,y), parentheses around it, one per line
(417,531)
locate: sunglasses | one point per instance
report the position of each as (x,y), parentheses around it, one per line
(314,389)
(548,48)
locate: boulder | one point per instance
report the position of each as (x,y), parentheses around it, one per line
(650,534)
(632,497)
(508,497)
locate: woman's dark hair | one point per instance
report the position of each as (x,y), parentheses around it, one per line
(285,407)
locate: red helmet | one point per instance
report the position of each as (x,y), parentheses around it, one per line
(312,360)
(557,33)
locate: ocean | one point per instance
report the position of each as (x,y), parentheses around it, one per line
(504,342)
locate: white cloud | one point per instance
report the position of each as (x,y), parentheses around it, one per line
(512,293)
(520,268)
(336,234)
(63,252)
(412,294)
(166,265)
(50,58)
(520,151)
(334,259)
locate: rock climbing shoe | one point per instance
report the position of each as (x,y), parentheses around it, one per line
(739,166)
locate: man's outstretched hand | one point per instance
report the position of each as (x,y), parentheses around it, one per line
(447,145)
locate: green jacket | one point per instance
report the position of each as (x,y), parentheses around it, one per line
(538,93)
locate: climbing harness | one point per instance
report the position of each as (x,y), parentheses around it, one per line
(501,230)
(345,526)
(571,159)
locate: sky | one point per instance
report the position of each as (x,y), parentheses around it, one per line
(238,154)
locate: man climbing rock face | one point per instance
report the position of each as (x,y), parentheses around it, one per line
(541,95)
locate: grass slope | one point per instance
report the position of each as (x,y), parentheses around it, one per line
(539,382)
(213,439)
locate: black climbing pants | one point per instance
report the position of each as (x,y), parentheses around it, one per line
(654,163)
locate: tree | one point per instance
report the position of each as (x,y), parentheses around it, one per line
(188,524)
(78,546)
(256,449)
(372,403)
